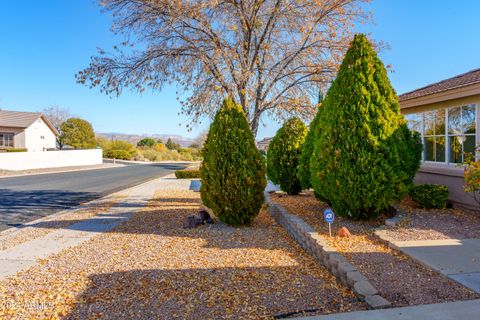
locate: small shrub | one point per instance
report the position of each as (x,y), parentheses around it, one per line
(139,157)
(125,146)
(472,178)
(150,155)
(283,155)
(17,150)
(232,171)
(118,154)
(430,196)
(187,174)
(146,142)
(160,147)
(117,149)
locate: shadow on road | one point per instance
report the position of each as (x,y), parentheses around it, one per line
(17,207)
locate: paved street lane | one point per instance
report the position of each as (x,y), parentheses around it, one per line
(27,198)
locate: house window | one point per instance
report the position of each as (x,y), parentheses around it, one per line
(434,135)
(461,132)
(414,122)
(6,139)
(448,135)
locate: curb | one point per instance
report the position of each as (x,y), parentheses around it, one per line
(316,245)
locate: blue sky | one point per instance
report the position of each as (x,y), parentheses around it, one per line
(44,43)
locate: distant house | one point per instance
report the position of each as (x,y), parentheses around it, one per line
(263,144)
(29,130)
(446,114)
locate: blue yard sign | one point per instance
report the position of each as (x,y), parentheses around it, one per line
(329,217)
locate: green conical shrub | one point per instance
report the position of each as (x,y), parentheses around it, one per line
(283,155)
(232,170)
(363,158)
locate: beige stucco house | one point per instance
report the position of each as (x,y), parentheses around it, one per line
(29,130)
(263,144)
(447,117)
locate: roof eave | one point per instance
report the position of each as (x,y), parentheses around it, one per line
(451,94)
(50,125)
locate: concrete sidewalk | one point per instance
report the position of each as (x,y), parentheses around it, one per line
(457,259)
(24,255)
(439,311)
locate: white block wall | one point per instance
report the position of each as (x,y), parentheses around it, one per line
(49,159)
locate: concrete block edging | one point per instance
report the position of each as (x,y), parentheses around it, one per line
(316,245)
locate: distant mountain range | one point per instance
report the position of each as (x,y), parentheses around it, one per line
(134,138)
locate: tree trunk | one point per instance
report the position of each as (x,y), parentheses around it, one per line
(255,122)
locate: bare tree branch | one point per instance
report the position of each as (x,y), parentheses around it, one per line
(268,55)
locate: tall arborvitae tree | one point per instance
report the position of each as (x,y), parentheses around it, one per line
(363,158)
(283,155)
(307,149)
(232,170)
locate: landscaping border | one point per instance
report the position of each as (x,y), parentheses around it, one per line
(317,246)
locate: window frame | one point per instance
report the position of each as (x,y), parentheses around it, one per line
(4,139)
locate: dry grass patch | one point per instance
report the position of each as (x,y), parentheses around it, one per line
(151,268)
(398,278)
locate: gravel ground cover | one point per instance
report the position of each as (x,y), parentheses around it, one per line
(151,268)
(398,278)
(53,223)
(435,224)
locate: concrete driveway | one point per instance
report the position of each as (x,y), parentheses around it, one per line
(26,198)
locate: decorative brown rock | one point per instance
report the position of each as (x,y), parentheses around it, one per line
(344,233)
(205,217)
(197,219)
(192,221)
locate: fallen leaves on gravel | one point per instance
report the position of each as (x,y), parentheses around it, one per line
(398,278)
(151,268)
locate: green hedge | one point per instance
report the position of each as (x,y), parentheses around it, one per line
(232,170)
(283,155)
(187,174)
(118,154)
(17,150)
(430,196)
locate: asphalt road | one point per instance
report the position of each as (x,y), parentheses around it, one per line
(26,198)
